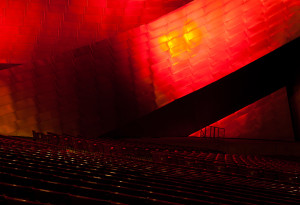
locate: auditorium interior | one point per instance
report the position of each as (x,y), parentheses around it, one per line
(149,102)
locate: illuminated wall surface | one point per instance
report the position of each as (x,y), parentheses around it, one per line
(33,29)
(96,88)
(269,118)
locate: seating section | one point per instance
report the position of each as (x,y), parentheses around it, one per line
(36,172)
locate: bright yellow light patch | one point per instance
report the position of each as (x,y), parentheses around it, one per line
(163,39)
(180,41)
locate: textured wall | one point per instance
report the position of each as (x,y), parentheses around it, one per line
(219,99)
(96,88)
(32,29)
(269,118)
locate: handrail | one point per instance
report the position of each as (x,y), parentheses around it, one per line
(213,132)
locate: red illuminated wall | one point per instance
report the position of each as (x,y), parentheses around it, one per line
(268,118)
(99,87)
(33,29)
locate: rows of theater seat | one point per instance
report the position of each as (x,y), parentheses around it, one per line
(35,172)
(256,166)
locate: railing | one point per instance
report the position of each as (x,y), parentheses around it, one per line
(213,132)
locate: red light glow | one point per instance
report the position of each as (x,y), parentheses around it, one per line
(268,118)
(41,28)
(119,79)
(207,40)
(177,42)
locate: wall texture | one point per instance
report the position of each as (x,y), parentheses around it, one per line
(221,98)
(34,29)
(99,87)
(269,118)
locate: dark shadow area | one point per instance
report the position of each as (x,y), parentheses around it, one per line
(219,99)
